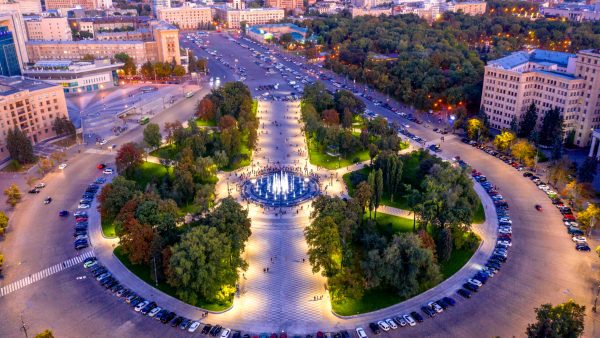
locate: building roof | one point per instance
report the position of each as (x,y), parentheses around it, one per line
(559,74)
(84,42)
(11,85)
(537,55)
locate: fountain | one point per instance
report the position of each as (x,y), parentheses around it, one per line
(280,188)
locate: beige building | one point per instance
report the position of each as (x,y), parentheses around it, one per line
(231,17)
(288,5)
(550,80)
(166,40)
(24,6)
(356,11)
(57,4)
(48,29)
(30,105)
(467,7)
(186,17)
(14,21)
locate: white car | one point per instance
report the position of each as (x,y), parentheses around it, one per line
(141,305)
(360,332)
(475,282)
(409,320)
(108,171)
(505,243)
(579,239)
(40,185)
(154,311)
(103,142)
(435,306)
(383,325)
(225,333)
(83,206)
(62,166)
(391,323)
(193,327)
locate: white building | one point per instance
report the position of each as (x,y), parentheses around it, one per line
(157,4)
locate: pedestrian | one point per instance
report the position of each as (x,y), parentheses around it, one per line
(264,270)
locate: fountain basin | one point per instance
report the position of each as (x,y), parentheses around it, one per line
(280,189)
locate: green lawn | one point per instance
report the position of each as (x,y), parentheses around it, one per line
(479,216)
(390,224)
(169,151)
(144,273)
(320,158)
(206,123)
(108,229)
(398,202)
(372,300)
(148,172)
(457,260)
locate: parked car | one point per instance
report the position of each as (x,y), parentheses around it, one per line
(374,328)
(409,320)
(63,213)
(464,293)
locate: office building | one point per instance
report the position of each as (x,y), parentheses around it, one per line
(9,62)
(235,12)
(549,79)
(573,11)
(158,4)
(30,105)
(186,17)
(467,7)
(48,28)
(24,6)
(58,4)
(76,77)
(287,5)
(13,20)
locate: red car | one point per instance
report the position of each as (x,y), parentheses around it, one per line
(101,166)
(538,207)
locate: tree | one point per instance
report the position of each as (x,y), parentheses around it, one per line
(504,140)
(45,334)
(13,195)
(373,151)
(45,165)
(88,58)
(19,146)
(525,152)
(206,109)
(576,192)
(3,222)
(178,70)
(221,158)
(363,194)
(560,171)
(444,245)
(200,268)
(563,320)
(129,158)
(129,67)
(229,218)
(58,156)
(552,125)
(474,128)
(1,263)
(514,125)
(148,70)
(587,171)
(136,240)
(152,135)
(331,117)
(205,197)
(378,190)
(115,195)
(63,126)
(589,217)
(528,123)
(324,246)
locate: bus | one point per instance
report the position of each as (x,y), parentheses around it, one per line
(189,94)
(144,120)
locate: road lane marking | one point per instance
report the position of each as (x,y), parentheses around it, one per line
(47,272)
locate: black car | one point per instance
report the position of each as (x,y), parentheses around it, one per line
(464,293)
(167,318)
(582,247)
(34,191)
(470,287)
(236,334)
(206,329)
(449,300)
(216,330)
(416,316)
(442,303)
(148,308)
(177,321)
(428,311)
(161,313)
(375,328)
(345,334)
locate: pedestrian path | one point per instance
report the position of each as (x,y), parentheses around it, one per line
(17,285)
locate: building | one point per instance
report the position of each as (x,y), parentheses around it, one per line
(266,32)
(158,4)
(287,5)
(467,7)
(573,11)
(186,17)
(48,28)
(30,105)
(550,80)
(327,7)
(24,6)
(58,4)
(373,11)
(9,62)
(164,47)
(76,77)
(13,20)
(98,25)
(234,13)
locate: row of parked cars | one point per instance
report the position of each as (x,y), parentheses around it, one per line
(80,232)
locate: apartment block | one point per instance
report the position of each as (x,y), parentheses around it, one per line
(186,17)
(252,16)
(549,79)
(48,28)
(287,5)
(30,105)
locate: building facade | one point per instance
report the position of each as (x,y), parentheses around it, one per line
(24,6)
(13,20)
(186,17)
(565,81)
(48,29)
(573,12)
(252,16)
(30,105)
(76,77)
(158,4)
(467,7)
(288,5)
(57,4)
(9,62)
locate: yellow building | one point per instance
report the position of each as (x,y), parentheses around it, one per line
(30,105)
(288,5)
(252,16)
(468,7)
(186,17)
(48,29)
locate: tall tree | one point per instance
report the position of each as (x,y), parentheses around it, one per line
(129,67)
(378,189)
(563,320)
(589,217)
(129,158)
(525,152)
(152,136)
(324,246)
(528,123)
(587,171)
(552,125)
(504,140)
(19,146)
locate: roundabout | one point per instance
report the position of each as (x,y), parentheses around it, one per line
(280,189)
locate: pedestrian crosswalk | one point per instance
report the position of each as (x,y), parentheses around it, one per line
(17,285)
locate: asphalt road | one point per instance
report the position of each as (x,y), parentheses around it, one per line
(543,265)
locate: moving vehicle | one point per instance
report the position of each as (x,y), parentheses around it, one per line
(144,120)
(538,207)
(48,200)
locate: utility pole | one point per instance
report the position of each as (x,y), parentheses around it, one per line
(23,326)
(155,275)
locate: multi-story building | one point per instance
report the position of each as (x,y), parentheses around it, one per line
(24,6)
(234,13)
(48,28)
(288,5)
(30,105)
(110,24)
(13,20)
(573,11)
(166,38)
(158,4)
(58,4)
(467,7)
(9,62)
(76,77)
(186,17)
(373,11)
(549,79)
